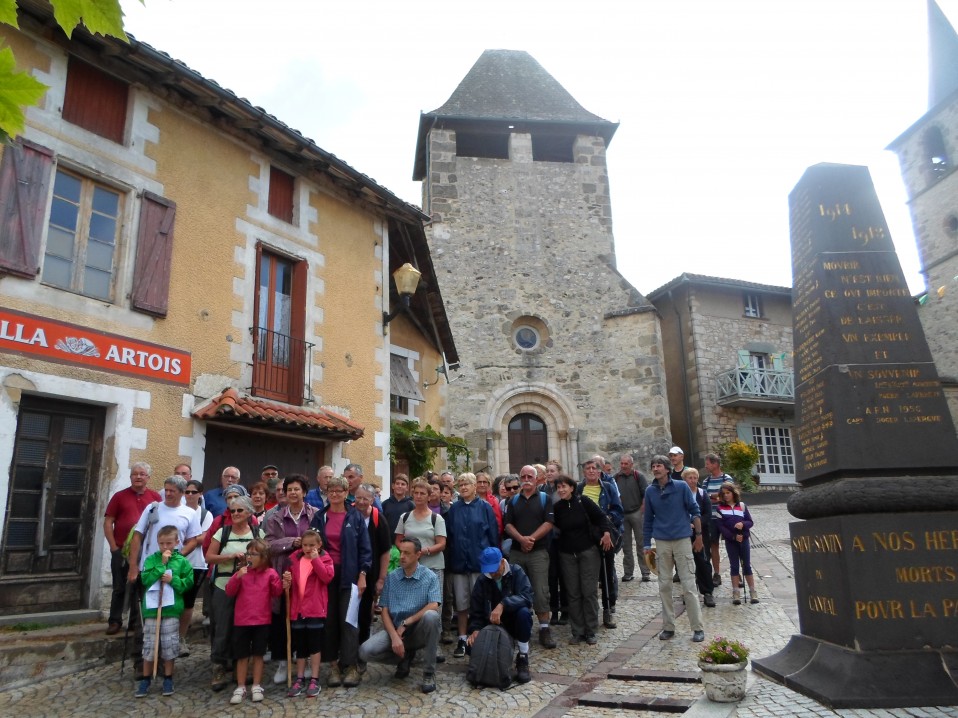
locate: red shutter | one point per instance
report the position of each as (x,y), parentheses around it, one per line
(154,251)
(297,330)
(280,200)
(24,186)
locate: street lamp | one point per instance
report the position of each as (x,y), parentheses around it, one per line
(407,279)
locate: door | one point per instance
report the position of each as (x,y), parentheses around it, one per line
(51,518)
(528,442)
(250,452)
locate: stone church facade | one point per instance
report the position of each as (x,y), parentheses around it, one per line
(560,357)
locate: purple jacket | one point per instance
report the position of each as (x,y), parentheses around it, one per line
(731,515)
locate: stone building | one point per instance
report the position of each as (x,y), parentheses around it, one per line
(728,349)
(560,356)
(183,278)
(928,154)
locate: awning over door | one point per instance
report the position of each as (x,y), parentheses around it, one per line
(402,382)
(230,407)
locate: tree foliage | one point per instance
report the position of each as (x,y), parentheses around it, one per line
(419,445)
(19,89)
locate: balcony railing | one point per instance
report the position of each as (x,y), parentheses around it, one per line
(282,366)
(756,387)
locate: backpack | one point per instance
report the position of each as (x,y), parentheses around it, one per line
(227,529)
(490,661)
(150,521)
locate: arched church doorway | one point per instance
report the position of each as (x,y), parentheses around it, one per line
(528,441)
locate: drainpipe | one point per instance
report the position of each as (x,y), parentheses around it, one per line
(689,424)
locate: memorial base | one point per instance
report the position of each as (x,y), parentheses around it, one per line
(843,678)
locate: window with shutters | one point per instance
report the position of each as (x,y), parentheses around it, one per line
(280,202)
(95,100)
(82,235)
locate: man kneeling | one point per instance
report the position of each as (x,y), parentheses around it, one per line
(410,613)
(503,596)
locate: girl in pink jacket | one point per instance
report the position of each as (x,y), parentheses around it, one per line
(310,571)
(253,586)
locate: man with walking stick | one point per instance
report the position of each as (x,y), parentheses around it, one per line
(166,569)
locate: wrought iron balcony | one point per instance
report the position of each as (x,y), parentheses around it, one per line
(282,366)
(758,388)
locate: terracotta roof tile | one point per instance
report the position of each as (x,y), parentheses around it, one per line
(233,408)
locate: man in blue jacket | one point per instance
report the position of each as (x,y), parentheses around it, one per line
(470,527)
(503,596)
(669,504)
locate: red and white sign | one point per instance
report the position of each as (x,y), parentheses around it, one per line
(74,344)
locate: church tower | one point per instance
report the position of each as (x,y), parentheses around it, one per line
(928,154)
(560,356)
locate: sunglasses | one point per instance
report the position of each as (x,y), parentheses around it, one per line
(237,511)
(512,488)
(193,491)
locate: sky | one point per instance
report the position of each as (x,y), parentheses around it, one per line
(722,104)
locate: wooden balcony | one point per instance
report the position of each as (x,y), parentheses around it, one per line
(756,388)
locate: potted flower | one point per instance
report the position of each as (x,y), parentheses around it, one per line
(723,662)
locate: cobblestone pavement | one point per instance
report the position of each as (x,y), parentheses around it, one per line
(561,676)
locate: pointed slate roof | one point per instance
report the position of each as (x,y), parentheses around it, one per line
(512,85)
(509,87)
(942,56)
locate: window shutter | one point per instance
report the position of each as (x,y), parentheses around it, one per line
(778,362)
(24,186)
(744,359)
(154,251)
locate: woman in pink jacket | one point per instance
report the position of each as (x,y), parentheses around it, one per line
(253,586)
(310,571)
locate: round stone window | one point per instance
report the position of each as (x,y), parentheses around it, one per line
(526,337)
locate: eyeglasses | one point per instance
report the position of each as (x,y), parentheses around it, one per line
(237,511)
(190,492)
(270,473)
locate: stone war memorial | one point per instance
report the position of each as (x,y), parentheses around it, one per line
(876,554)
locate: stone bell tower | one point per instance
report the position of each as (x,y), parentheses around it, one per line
(561,356)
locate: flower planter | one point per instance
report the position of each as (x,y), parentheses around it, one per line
(724,683)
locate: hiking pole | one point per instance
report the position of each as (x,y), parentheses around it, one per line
(289,646)
(156,639)
(745,597)
(126,636)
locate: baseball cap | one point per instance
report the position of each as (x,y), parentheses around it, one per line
(676,450)
(490,559)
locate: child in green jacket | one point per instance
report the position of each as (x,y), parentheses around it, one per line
(166,576)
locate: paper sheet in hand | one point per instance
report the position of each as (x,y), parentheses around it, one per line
(352,613)
(153,594)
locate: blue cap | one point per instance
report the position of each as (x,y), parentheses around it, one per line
(490,559)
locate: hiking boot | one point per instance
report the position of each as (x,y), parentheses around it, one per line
(627,578)
(737,597)
(717,578)
(666,635)
(314,688)
(646,578)
(545,638)
(710,600)
(591,639)
(460,651)
(402,670)
(698,636)
(607,619)
(168,685)
(184,648)
(143,689)
(351,678)
(428,684)
(296,689)
(219,679)
(522,668)
(335,677)
(753,598)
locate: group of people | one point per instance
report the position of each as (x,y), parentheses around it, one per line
(290,570)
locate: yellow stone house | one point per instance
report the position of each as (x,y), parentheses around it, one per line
(184,278)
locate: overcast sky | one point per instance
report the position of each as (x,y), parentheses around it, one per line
(723,104)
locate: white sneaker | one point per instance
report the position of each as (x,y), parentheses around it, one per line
(280,675)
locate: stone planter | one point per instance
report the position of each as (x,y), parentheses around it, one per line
(724,683)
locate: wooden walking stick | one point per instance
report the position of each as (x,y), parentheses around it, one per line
(289,646)
(156,639)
